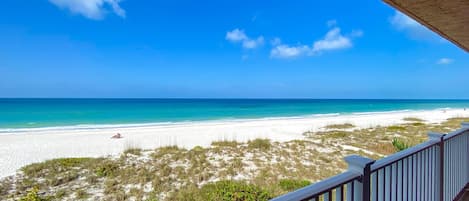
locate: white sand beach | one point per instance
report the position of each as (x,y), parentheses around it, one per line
(20,148)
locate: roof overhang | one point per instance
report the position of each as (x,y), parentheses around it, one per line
(448,18)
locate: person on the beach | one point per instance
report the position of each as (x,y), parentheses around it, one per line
(117,136)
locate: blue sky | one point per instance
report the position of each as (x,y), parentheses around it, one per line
(223,49)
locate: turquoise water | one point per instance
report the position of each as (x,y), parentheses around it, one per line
(35,113)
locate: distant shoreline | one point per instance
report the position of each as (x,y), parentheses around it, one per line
(60,114)
(189,122)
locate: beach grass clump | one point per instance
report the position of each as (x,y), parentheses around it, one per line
(225,143)
(395,128)
(60,194)
(107,168)
(81,194)
(414,119)
(452,123)
(133,151)
(33,195)
(226,190)
(64,178)
(292,184)
(261,144)
(400,144)
(382,148)
(340,126)
(335,134)
(169,151)
(417,124)
(5,186)
(56,166)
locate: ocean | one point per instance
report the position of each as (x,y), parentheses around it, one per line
(38,113)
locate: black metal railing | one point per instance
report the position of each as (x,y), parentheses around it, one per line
(437,169)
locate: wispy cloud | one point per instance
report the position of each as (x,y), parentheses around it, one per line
(445,61)
(92,9)
(333,40)
(253,43)
(285,51)
(411,27)
(237,35)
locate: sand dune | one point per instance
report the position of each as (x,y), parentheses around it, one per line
(20,148)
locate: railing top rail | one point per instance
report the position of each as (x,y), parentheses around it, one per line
(465,127)
(319,188)
(403,154)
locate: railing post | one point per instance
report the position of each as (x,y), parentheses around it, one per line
(466,125)
(361,165)
(441,164)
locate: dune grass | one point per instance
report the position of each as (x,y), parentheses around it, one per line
(340,126)
(260,166)
(414,119)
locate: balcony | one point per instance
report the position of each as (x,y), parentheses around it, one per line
(434,170)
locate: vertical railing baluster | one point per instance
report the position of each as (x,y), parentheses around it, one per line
(441,167)
(433,172)
(414,179)
(395,179)
(419,176)
(381,180)
(387,183)
(425,174)
(328,196)
(408,179)
(467,154)
(445,182)
(449,169)
(403,178)
(339,193)
(456,164)
(374,186)
(349,191)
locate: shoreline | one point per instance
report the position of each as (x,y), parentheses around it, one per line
(11,130)
(25,147)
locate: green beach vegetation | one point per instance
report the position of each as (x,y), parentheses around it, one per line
(340,126)
(259,169)
(414,119)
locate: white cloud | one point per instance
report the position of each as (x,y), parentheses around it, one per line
(411,27)
(285,51)
(237,35)
(93,9)
(333,40)
(444,61)
(251,44)
(402,21)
